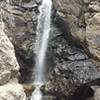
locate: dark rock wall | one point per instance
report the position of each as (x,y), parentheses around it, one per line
(75,49)
(73,69)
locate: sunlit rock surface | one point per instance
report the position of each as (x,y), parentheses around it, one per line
(12,91)
(9,70)
(8,63)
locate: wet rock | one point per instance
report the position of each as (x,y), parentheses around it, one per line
(72,69)
(74,49)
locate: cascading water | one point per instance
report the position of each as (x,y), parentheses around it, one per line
(43,32)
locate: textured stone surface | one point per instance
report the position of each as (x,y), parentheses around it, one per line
(20,25)
(12,91)
(82,19)
(9,70)
(77,23)
(73,68)
(97,94)
(8,64)
(20,20)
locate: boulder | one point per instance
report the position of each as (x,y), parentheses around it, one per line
(73,68)
(9,70)
(12,91)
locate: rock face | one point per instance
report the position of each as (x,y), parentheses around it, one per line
(8,64)
(82,18)
(9,71)
(97,94)
(20,20)
(12,91)
(73,68)
(74,44)
(74,47)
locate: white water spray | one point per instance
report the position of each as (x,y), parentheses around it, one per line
(43,32)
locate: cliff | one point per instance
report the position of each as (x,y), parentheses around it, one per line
(73,54)
(9,71)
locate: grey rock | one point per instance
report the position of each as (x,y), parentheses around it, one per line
(81,23)
(20,20)
(72,69)
(20,25)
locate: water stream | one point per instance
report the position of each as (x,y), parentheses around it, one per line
(43,32)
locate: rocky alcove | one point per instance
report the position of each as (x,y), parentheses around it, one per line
(73,54)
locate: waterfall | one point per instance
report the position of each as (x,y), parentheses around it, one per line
(43,32)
